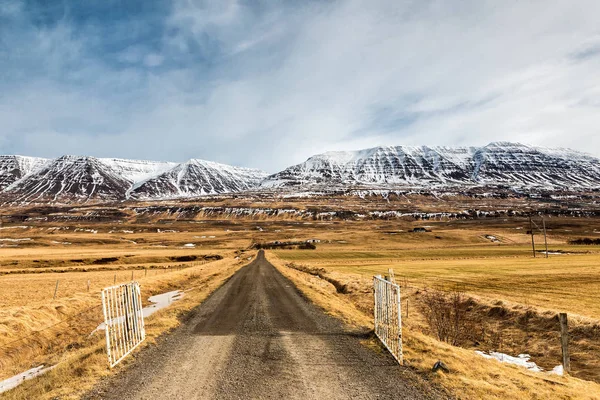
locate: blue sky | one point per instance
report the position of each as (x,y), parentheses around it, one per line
(268,83)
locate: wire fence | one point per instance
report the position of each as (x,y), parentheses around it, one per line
(70,333)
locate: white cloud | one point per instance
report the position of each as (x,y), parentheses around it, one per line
(153,60)
(272,85)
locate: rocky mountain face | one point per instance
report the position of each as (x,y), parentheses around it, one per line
(14,168)
(510,166)
(197,178)
(497,164)
(69,179)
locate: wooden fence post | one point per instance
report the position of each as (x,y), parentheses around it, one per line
(88,285)
(564,342)
(545,237)
(532,241)
(131,274)
(115,280)
(55,290)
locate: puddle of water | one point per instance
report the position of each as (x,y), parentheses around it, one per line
(160,301)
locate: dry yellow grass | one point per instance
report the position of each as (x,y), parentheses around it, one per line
(351,250)
(471,376)
(569,282)
(16,288)
(80,358)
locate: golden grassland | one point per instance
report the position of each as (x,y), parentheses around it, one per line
(471,376)
(16,288)
(80,358)
(37,329)
(455,252)
(498,275)
(569,283)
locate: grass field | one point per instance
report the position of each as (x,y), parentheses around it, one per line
(455,255)
(471,376)
(508,284)
(569,282)
(45,333)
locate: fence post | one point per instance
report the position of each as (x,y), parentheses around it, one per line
(88,285)
(399,302)
(375,307)
(532,241)
(55,290)
(115,280)
(564,342)
(131,274)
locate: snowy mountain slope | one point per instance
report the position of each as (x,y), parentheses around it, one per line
(136,170)
(72,178)
(13,168)
(80,179)
(508,165)
(197,178)
(498,163)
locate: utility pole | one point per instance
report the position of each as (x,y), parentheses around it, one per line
(545,238)
(532,241)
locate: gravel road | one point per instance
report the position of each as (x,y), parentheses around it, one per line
(257,338)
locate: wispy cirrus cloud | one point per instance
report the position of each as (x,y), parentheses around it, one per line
(267,83)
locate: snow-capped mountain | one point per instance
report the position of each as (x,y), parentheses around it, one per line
(67,179)
(197,178)
(13,168)
(499,163)
(70,178)
(136,170)
(78,179)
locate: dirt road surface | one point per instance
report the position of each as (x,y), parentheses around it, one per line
(258,338)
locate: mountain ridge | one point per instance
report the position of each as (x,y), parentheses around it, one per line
(500,165)
(69,178)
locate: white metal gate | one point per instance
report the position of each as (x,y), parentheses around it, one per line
(123,319)
(388,322)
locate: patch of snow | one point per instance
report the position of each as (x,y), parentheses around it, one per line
(16,380)
(86,230)
(15,227)
(522,360)
(558,370)
(189,245)
(16,240)
(492,238)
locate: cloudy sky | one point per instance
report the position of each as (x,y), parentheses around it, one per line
(266,84)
